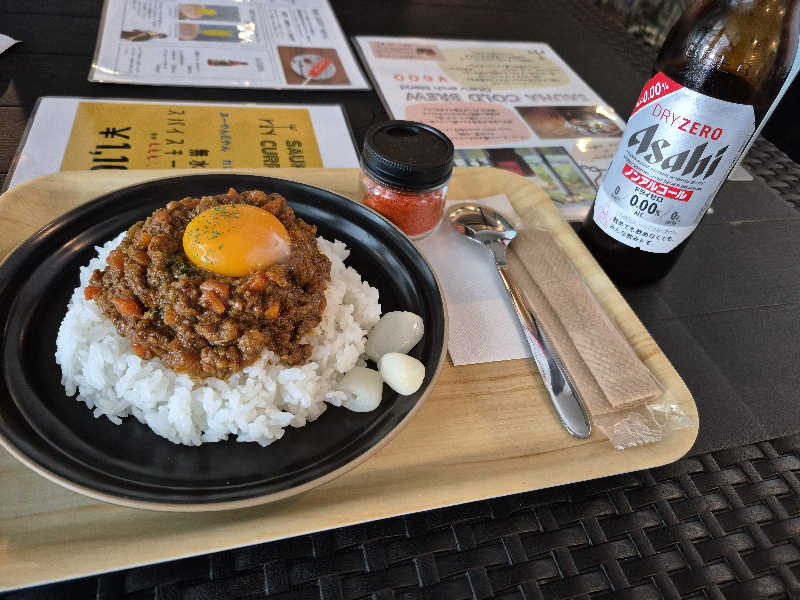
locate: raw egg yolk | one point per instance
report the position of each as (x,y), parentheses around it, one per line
(235,239)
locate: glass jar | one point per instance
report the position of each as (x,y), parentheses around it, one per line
(406,167)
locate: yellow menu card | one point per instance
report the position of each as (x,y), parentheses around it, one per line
(70,133)
(180,136)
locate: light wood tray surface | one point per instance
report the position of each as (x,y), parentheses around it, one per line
(486,430)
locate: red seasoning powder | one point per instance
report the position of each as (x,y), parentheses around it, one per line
(415,212)
(406,167)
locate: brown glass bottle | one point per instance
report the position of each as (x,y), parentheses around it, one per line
(738,51)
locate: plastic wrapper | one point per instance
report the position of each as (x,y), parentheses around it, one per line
(645,424)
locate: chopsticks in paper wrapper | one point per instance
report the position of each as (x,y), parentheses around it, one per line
(619,391)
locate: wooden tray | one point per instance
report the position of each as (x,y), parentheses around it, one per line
(486,430)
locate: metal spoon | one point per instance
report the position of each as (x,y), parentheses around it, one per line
(489,228)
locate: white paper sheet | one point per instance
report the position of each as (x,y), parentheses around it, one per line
(483,326)
(254,43)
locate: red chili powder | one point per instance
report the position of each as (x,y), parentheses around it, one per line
(415,212)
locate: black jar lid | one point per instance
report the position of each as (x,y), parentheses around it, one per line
(406,154)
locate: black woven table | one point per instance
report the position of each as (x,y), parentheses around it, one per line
(719,525)
(722,523)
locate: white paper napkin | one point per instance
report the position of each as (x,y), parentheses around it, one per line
(483,324)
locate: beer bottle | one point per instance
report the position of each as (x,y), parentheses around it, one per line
(721,70)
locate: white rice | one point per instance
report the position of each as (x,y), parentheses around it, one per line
(255,405)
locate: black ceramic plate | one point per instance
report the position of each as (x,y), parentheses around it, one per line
(58,436)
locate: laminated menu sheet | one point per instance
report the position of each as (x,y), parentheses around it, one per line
(512,105)
(274,44)
(90,134)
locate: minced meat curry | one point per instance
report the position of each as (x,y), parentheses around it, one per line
(203,323)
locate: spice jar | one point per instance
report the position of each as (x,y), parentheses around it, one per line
(406,167)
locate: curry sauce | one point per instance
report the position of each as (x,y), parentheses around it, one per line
(203,323)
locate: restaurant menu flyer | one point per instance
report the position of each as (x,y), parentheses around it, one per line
(512,105)
(276,44)
(69,134)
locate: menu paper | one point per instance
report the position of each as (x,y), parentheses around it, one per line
(512,105)
(69,134)
(277,44)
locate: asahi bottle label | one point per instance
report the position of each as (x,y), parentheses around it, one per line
(676,152)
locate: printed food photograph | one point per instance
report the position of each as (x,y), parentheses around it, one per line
(141,35)
(570,121)
(550,167)
(226,62)
(312,66)
(208,12)
(193,32)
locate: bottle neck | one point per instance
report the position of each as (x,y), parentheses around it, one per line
(737,50)
(748,41)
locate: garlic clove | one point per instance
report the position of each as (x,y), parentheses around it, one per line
(396,331)
(403,373)
(364,388)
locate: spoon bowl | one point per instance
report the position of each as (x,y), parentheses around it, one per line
(481,223)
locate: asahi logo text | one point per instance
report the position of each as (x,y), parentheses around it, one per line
(692,161)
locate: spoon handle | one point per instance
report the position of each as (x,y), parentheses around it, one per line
(563,393)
